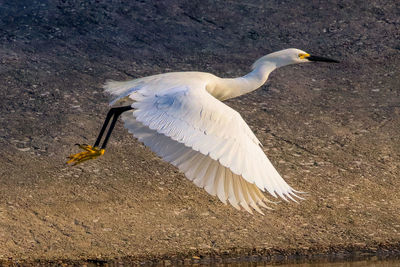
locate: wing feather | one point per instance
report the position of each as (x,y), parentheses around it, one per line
(232,198)
(210,177)
(209,141)
(219,184)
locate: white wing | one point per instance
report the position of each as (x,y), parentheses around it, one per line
(206,139)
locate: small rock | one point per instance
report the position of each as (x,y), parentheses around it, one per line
(24,149)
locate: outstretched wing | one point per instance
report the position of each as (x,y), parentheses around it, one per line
(206,139)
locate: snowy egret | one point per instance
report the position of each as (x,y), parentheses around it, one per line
(180,116)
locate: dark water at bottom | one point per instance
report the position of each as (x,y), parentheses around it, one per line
(366,263)
(359,263)
(394,262)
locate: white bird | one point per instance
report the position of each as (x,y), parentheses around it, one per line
(181,118)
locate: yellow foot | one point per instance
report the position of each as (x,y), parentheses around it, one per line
(89,153)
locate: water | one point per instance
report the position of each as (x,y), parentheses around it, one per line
(374,262)
(371,262)
(367,263)
(364,263)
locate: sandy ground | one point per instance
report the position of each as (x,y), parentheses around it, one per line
(331,130)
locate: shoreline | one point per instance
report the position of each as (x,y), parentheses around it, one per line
(317,254)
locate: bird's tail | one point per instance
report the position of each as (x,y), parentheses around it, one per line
(119,90)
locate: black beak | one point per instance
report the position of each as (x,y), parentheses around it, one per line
(322,59)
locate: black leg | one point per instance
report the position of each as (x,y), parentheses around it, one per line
(115,113)
(94,152)
(112,125)
(103,128)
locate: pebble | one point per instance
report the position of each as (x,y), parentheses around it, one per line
(24,149)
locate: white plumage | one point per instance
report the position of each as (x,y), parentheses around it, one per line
(180,117)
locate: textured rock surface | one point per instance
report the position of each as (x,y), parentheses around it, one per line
(330,130)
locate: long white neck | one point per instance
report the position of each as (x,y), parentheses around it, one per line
(227,88)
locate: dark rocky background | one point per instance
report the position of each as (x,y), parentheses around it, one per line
(331,130)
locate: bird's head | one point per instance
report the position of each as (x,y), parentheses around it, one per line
(290,56)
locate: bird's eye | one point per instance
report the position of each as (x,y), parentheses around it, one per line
(303,56)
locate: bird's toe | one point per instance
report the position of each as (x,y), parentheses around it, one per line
(89,153)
